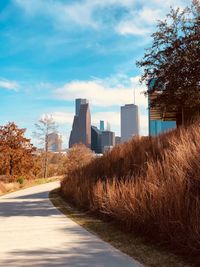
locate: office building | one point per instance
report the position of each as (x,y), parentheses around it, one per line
(117,140)
(96,140)
(159,122)
(81,128)
(108,126)
(105,126)
(79,102)
(107,140)
(54,142)
(129,122)
(102,127)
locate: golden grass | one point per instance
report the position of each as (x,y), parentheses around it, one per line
(6,188)
(150,186)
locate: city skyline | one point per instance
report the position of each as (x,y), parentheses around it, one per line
(49,57)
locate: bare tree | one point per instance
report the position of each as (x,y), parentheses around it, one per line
(44,127)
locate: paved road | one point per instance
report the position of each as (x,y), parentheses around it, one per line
(34,233)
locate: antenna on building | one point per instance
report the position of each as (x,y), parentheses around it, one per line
(134,95)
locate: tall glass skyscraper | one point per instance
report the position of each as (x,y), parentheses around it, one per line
(81,128)
(129,122)
(102,126)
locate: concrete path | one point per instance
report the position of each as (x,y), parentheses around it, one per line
(34,233)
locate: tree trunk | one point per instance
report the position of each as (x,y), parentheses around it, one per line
(46,157)
(45,165)
(10,166)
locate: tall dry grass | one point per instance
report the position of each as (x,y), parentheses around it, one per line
(148,185)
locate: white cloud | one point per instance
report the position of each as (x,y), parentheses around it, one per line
(128,28)
(139,22)
(104,93)
(144,124)
(113,91)
(135,21)
(112,117)
(9,85)
(80,13)
(62,117)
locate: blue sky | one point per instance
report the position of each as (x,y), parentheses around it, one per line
(52,51)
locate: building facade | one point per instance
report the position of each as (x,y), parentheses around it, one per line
(102,126)
(158,122)
(107,140)
(54,142)
(79,102)
(96,140)
(157,127)
(81,128)
(129,122)
(117,140)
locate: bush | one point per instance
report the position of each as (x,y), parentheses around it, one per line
(20,180)
(149,185)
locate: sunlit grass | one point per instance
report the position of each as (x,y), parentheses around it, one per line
(149,186)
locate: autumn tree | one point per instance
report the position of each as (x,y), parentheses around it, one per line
(173,62)
(44,127)
(16,151)
(78,156)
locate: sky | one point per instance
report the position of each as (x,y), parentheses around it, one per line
(53,51)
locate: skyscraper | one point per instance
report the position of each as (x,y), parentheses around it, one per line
(54,142)
(108,126)
(117,140)
(129,122)
(81,128)
(79,102)
(96,140)
(102,128)
(107,140)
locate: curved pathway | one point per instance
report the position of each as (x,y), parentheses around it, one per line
(34,233)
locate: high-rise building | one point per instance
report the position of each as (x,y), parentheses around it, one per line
(108,126)
(158,122)
(79,102)
(102,127)
(96,140)
(117,140)
(129,122)
(107,140)
(105,126)
(81,128)
(54,142)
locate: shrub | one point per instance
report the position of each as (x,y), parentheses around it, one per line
(20,180)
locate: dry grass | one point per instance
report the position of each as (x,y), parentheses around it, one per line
(136,247)
(14,186)
(150,186)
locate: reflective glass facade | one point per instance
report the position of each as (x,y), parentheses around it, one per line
(157,127)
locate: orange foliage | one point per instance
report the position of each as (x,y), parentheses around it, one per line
(15,151)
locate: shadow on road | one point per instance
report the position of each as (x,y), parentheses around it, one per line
(27,205)
(85,254)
